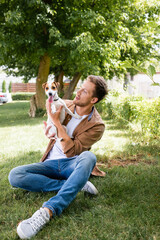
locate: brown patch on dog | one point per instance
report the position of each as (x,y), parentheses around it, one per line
(44,85)
(54,86)
(57,84)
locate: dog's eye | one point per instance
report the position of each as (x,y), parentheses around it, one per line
(53,88)
(47,88)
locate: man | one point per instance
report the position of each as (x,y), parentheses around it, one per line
(68,163)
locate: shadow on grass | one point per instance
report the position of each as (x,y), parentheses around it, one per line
(16,113)
(131,154)
(147,150)
(21,159)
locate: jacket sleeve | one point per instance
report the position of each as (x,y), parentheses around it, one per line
(83,141)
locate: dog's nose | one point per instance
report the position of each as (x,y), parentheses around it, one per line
(50,94)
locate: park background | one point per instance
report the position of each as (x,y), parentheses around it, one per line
(120,41)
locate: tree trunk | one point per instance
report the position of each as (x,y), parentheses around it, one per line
(42,78)
(72,86)
(59,79)
(32,111)
(40,93)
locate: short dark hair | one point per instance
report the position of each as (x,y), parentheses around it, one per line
(101,89)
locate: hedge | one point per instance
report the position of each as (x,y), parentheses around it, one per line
(133,109)
(21,96)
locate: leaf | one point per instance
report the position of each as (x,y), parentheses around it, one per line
(140,69)
(151,71)
(155,84)
(127,64)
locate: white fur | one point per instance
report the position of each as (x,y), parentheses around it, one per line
(54,106)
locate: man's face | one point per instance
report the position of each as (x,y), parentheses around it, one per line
(84,95)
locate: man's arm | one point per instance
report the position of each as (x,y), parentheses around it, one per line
(82,142)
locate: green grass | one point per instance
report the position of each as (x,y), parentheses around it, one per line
(128,204)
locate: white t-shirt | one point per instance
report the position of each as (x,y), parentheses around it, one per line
(57,152)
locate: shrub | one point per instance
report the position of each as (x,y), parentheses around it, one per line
(10,87)
(4,86)
(118,105)
(134,109)
(148,115)
(102,108)
(21,96)
(125,105)
(105,107)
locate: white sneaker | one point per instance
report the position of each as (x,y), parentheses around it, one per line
(90,188)
(31,226)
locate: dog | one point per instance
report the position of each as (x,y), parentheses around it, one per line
(51,90)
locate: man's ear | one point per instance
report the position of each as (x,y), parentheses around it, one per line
(94,100)
(44,85)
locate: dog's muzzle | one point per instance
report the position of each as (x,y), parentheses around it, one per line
(51,97)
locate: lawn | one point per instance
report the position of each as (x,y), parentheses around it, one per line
(127,206)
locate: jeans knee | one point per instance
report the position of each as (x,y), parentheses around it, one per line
(13,177)
(89,157)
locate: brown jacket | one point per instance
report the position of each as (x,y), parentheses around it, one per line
(89,131)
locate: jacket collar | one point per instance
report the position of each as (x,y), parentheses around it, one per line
(90,115)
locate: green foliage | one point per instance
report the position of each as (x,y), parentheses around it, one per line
(90,37)
(21,96)
(73,96)
(10,87)
(134,109)
(150,71)
(40,112)
(4,86)
(147,112)
(102,108)
(119,105)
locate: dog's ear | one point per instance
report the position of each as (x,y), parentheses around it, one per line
(44,85)
(57,84)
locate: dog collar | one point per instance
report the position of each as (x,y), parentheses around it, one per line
(56,99)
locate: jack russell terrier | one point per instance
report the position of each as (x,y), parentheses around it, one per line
(51,89)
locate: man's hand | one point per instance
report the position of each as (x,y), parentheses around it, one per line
(46,131)
(54,116)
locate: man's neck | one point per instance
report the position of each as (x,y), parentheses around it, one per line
(84,110)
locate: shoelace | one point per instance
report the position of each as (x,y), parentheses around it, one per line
(37,221)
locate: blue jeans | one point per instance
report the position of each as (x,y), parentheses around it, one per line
(66,176)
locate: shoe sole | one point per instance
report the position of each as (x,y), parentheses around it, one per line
(95,191)
(20,233)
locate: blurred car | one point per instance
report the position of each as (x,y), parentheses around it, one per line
(3,98)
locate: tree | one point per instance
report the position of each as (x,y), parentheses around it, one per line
(150,71)
(10,87)
(4,86)
(75,38)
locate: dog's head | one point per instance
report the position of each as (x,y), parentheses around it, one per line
(51,89)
